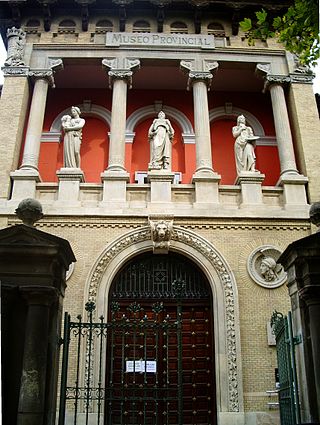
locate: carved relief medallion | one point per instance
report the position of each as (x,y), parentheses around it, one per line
(263,268)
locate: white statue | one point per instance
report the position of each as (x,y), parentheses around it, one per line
(72,126)
(16,45)
(244,146)
(160,136)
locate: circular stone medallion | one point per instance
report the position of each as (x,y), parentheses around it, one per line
(263,268)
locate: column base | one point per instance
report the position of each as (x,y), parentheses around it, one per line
(114,187)
(294,192)
(69,184)
(206,184)
(24,183)
(251,187)
(160,185)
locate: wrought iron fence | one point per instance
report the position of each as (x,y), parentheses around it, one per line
(288,388)
(127,370)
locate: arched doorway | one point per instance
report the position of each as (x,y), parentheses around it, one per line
(155,368)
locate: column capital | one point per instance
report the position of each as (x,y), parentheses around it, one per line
(42,74)
(199,71)
(121,69)
(280,80)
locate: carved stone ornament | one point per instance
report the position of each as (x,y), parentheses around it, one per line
(161,231)
(16,46)
(302,78)
(206,249)
(29,211)
(263,268)
(15,71)
(121,68)
(56,64)
(45,74)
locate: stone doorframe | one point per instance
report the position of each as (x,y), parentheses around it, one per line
(228,367)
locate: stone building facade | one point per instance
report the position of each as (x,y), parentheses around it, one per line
(120,65)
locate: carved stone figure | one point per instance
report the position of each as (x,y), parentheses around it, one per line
(160,136)
(263,268)
(72,127)
(269,269)
(161,232)
(244,146)
(16,44)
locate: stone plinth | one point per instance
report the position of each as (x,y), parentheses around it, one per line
(115,187)
(160,183)
(24,183)
(69,184)
(294,192)
(301,261)
(251,187)
(33,267)
(206,188)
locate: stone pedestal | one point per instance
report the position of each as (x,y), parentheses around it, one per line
(33,267)
(301,261)
(294,191)
(24,183)
(206,187)
(69,184)
(115,187)
(251,187)
(160,183)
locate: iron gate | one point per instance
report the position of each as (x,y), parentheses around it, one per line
(288,388)
(137,384)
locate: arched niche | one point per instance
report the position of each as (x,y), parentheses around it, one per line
(224,296)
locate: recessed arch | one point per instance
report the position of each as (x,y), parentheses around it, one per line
(87,109)
(149,111)
(219,113)
(224,295)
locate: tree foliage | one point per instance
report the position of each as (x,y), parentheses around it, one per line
(297,29)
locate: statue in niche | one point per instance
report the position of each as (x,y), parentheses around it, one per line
(72,127)
(16,45)
(269,269)
(244,146)
(160,136)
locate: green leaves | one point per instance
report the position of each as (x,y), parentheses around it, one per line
(297,29)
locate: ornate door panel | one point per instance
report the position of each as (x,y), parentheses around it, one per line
(158,372)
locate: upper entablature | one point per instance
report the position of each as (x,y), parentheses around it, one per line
(37,16)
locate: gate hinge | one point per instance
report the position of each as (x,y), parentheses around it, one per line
(297,339)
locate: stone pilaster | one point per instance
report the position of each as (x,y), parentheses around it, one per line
(25,179)
(13,111)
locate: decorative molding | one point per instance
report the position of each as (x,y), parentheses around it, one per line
(262,267)
(56,64)
(302,78)
(43,74)
(15,71)
(187,238)
(263,69)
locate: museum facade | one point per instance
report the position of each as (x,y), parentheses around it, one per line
(123,122)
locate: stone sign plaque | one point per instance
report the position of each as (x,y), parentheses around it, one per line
(141,366)
(118,39)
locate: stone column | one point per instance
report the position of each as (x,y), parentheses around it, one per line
(116,177)
(31,408)
(205,179)
(13,112)
(293,183)
(27,176)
